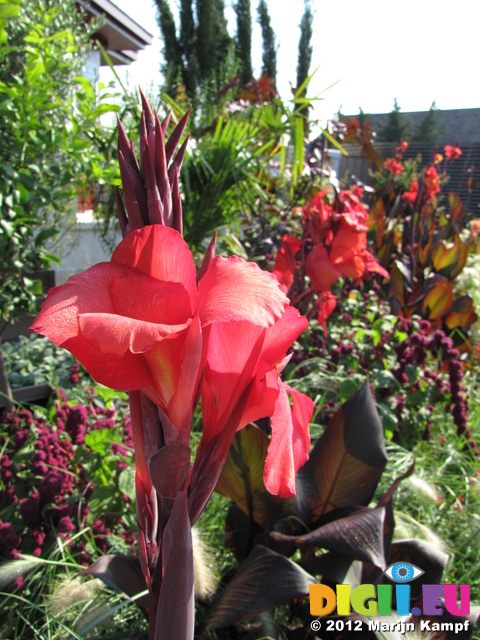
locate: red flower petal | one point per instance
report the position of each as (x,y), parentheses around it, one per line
(290,443)
(161,253)
(236,290)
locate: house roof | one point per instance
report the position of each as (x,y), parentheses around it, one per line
(455,126)
(120,36)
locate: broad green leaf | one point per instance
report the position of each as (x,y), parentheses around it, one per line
(126,482)
(9,9)
(101,440)
(346,463)
(44,235)
(35,68)
(266,580)
(241,479)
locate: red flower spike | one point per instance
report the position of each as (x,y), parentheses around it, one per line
(147,115)
(154,203)
(161,173)
(166,122)
(175,137)
(178,160)
(121,215)
(134,194)
(177,204)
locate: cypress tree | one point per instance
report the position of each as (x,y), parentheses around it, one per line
(188,45)
(269,53)
(244,39)
(395,129)
(171,47)
(305,48)
(427,130)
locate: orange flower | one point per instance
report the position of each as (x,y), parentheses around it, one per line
(437,158)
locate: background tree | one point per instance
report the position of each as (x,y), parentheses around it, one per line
(188,47)
(172,67)
(244,39)
(269,52)
(197,54)
(395,129)
(305,48)
(427,130)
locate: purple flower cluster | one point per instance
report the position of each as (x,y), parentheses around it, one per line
(428,370)
(44,471)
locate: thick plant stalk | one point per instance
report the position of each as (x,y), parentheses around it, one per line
(152,196)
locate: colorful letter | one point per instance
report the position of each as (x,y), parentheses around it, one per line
(322,600)
(343,599)
(450,595)
(431,593)
(384,599)
(402,594)
(362,594)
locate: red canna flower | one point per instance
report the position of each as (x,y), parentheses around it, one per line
(432,182)
(285,266)
(118,319)
(326,304)
(341,246)
(394,166)
(452,152)
(411,195)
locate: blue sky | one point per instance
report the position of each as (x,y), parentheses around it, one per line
(374,50)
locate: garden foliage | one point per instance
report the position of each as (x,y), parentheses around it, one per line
(383,365)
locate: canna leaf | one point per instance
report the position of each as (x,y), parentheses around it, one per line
(346,463)
(241,479)
(121,573)
(439,299)
(358,536)
(266,580)
(462,313)
(449,260)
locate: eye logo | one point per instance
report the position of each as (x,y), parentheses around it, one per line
(403,572)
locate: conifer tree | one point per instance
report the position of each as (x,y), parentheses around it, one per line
(427,130)
(188,45)
(244,39)
(395,129)
(196,57)
(171,47)
(269,53)
(305,48)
